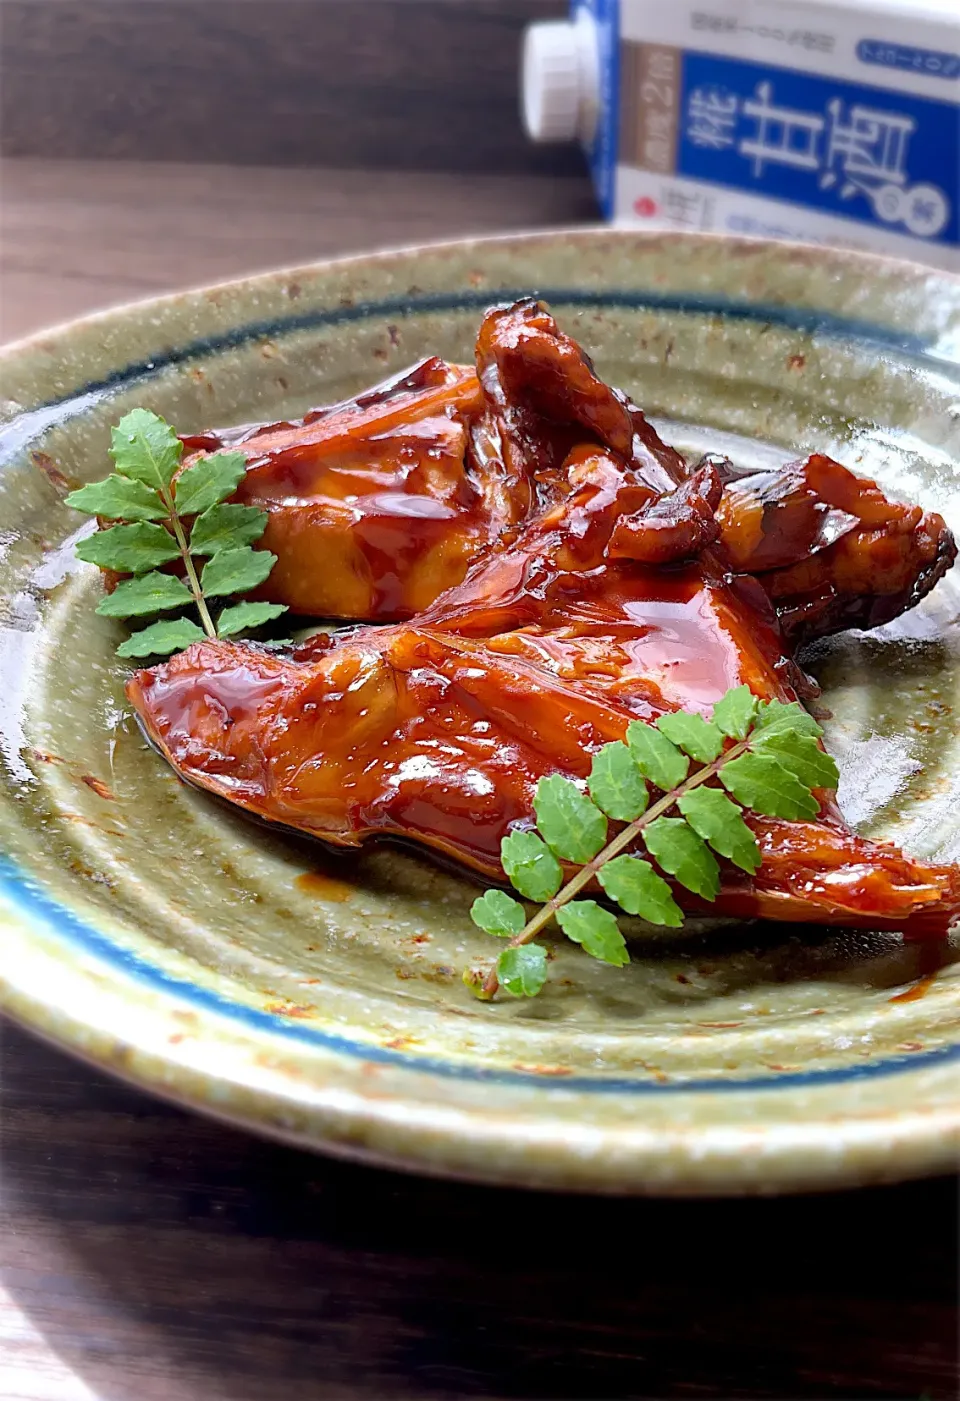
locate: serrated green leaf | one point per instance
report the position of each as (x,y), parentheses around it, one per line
(160,639)
(760,782)
(801,754)
(118,498)
(637,888)
(720,822)
(523,970)
(531,866)
(247,615)
(571,825)
(235,571)
(145,447)
(208,481)
(595,930)
(495,912)
(788,715)
(734,712)
(129,549)
(616,784)
(148,593)
(226,527)
(655,756)
(678,850)
(701,739)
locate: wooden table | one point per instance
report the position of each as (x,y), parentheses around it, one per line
(148,1255)
(79,235)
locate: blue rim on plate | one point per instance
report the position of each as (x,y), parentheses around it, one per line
(358,1094)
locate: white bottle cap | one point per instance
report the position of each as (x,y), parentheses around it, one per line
(560,78)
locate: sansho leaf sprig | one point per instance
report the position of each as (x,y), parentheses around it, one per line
(154,504)
(766,757)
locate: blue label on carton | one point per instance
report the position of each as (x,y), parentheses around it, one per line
(931,63)
(602,153)
(864,153)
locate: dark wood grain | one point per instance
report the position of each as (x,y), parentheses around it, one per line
(159,1255)
(79,235)
(384,84)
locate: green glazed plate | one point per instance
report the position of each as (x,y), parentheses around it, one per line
(317,999)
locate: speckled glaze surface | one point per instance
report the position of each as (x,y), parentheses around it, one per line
(155,932)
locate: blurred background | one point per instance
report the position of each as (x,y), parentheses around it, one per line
(150,144)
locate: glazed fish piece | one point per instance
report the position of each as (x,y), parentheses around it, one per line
(830,549)
(379,504)
(615,603)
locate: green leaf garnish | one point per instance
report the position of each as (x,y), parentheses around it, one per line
(786,715)
(760,782)
(734,712)
(636,887)
(530,865)
(571,825)
(208,481)
(225,527)
(800,753)
(701,739)
(147,593)
(129,549)
(243,616)
(235,571)
(769,769)
(616,784)
(146,448)
(160,639)
(118,498)
(523,970)
(656,757)
(678,850)
(497,913)
(595,929)
(144,491)
(718,821)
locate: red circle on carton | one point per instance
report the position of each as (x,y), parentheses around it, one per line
(645,206)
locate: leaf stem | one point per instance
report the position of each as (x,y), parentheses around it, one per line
(192,577)
(613,848)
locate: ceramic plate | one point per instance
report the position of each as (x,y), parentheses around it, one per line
(160,935)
